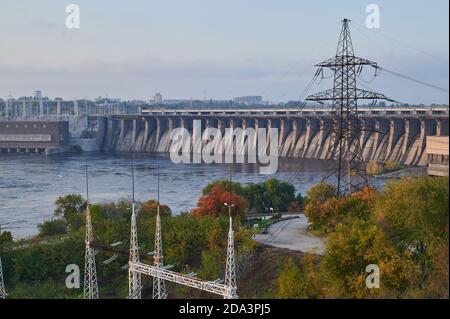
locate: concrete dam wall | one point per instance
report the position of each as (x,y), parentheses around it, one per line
(398,138)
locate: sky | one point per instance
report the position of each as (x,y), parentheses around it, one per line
(216,48)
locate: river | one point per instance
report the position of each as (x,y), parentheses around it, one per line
(30,184)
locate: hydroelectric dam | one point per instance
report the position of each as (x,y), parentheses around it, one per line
(391,134)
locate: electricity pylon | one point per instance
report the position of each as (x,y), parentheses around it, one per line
(90,272)
(230,270)
(159,286)
(2,283)
(134,278)
(346,127)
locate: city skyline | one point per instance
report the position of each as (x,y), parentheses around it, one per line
(219,51)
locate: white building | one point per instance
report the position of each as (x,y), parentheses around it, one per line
(248,100)
(157,98)
(37,95)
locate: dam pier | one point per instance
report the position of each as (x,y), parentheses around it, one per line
(396,134)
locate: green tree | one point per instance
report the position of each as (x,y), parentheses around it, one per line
(71,207)
(290,282)
(352,247)
(321,203)
(6,237)
(52,227)
(415,214)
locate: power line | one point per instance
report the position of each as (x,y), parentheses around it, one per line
(406,77)
(400,42)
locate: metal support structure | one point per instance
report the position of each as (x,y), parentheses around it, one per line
(161,273)
(90,271)
(346,127)
(230,272)
(159,286)
(190,281)
(134,277)
(2,283)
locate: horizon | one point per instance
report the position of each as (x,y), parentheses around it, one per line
(216,51)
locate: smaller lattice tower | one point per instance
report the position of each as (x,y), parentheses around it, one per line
(159,286)
(90,272)
(134,278)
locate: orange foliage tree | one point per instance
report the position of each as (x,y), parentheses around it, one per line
(213,203)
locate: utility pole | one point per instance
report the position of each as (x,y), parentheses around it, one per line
(345,128)
(159,286)
(90,272)
(134,278)
(230,272)
(2,283)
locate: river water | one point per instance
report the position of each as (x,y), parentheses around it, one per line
(30,184)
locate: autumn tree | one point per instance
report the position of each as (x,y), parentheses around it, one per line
(150,208)
(352,247)
(213,204)
(290,282)
(415,214)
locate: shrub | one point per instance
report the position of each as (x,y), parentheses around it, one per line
(52,227)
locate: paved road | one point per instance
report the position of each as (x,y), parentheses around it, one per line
(292,234)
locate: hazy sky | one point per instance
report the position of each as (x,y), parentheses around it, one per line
(220,49)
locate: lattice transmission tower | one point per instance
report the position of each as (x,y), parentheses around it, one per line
(230,270)
(2,283)
(90,271)
(134,278)
(345,127)
(159,285)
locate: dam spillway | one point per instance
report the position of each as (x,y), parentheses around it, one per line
(395,136)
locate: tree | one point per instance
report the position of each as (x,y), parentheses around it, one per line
(71,207)
(6,237)
(150,208)
(325,211)
(415,212)
(272,193)
(52,227)
(213,204)
(290,282)
(321,204)
(225,184)
(352,247)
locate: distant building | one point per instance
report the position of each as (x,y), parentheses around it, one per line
(37,95)
(437,155)
(49,137)
(157,98)
(248,100)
